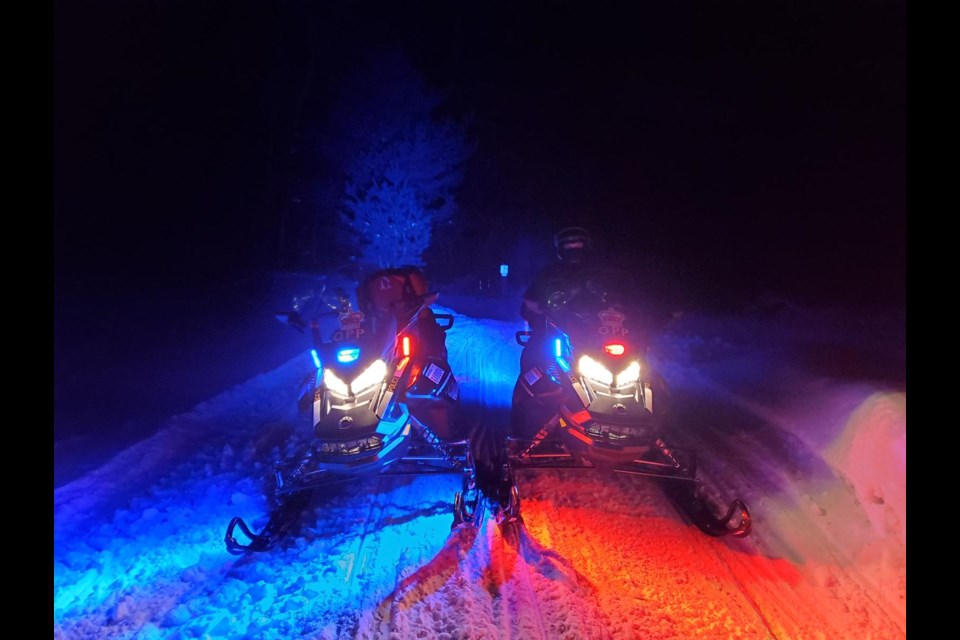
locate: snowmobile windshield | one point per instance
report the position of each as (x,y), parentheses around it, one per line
(603,303)
(338,320)
(591,289)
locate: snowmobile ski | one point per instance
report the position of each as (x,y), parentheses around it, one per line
(687,498)
(282,520)
(676,467)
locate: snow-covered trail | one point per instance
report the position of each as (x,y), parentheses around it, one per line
(139,552)
(815,446)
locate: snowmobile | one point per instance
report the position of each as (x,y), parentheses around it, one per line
(584,399)
(381,400)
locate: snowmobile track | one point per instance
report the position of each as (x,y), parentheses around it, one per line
(504,550)
(517,538)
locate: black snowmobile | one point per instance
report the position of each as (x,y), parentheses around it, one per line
(585,399)
(381,400)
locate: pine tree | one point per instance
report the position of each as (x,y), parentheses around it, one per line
(401,162)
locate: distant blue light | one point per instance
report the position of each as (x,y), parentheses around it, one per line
(348,355)
(316,357)
(558,347)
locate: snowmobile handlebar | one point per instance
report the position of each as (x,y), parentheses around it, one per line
(297,321)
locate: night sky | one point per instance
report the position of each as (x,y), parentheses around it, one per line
(739,146)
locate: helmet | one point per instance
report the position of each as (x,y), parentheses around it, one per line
(572,243)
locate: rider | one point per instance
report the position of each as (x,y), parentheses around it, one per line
(555,285)
(574,248)
(403,292)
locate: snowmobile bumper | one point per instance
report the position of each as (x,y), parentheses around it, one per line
(605,442)
(331,461)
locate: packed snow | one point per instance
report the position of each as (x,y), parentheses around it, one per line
(799,411)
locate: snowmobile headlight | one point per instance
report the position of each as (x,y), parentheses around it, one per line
(629,375)
(374,374)
(592,369)
(334,383)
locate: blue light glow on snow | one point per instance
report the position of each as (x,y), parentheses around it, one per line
(490,345)
(118,567)
(164,544)
(145,547)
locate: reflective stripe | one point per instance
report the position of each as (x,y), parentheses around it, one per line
(532,376)
(391,388)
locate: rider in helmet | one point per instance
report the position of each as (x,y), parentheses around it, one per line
(572,244)
(574,248)
(550,291)
(555,286)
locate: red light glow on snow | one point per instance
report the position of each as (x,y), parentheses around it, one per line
(645,574)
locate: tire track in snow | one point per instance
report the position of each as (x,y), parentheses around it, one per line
(621,536)
(396,545)
(524,599)
(360,560)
